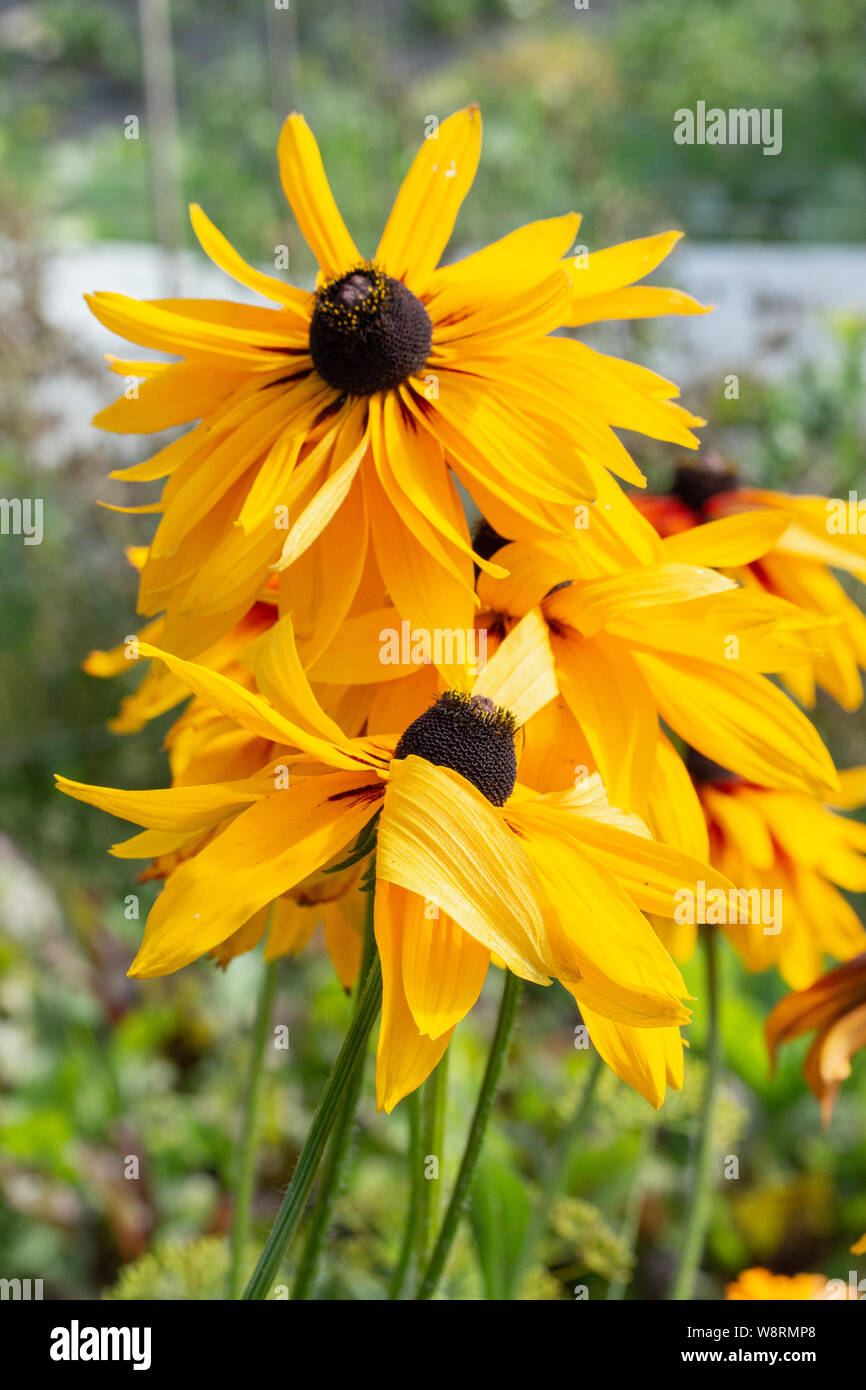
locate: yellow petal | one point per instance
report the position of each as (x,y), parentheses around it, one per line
(223,254)
(645,1058)
(262,854)
(740,720)
(172,808)
(652,874)
(520,676)
(617,266)
(308,191)
(291,928)
(732,540)
(674,810)
(443,967)
(404,1058)
(606,692)
(637,302)
(251,711)
(282,680)
(595,603)
(622,971)
(440,838)
(425,210)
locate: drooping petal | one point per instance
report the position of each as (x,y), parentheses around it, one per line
(443,967)
(252,712)
(440,838)
(619,969)
(261,855)
(648,1059)
(404,1057)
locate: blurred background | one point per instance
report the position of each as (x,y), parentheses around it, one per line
(579,113)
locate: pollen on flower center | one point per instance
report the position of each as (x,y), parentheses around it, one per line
(368,332)
(470,735)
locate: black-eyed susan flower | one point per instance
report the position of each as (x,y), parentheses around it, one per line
(470,865)
(759,1283)
(834,1008)
(665,640)
(805,538)
(792,853)
(337,421)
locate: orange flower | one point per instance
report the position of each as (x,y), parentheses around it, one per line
(835,1007)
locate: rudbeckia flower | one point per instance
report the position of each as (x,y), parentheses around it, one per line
(759,1283)
(668,640)
(797,852)
(806,538)
(343,415)
(470,865)
(834,1008)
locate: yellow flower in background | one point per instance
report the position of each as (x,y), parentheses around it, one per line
(813,536)
(342,414)
(797,852)
(470,865)
(668,640)
(759,1283)
(834,1008)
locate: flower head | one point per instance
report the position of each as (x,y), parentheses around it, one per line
(470,865)
(337,421)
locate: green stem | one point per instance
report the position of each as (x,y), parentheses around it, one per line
(475,1138)
(416,1159)
(340,1142)
(702,1181)
(633,1207)
(432,1138)
(249,1132)
(294,1202)
(554,1174)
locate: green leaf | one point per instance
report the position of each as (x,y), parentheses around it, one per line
(499,1215)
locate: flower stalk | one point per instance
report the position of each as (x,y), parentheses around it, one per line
(340,1143)
(407,1249)
(293,1205)
(249,1132)
(434,1096)
(468,1163)
(702,1182)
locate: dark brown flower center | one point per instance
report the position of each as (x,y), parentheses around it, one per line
(470,735)
(368,332)
(696,483)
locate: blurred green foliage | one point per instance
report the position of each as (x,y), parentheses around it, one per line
(580,107)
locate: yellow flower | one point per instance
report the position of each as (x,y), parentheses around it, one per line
(835,1007)
(470,865)
(790,844)
(805,539)
(759,1283)
(666,639)
(343,413)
